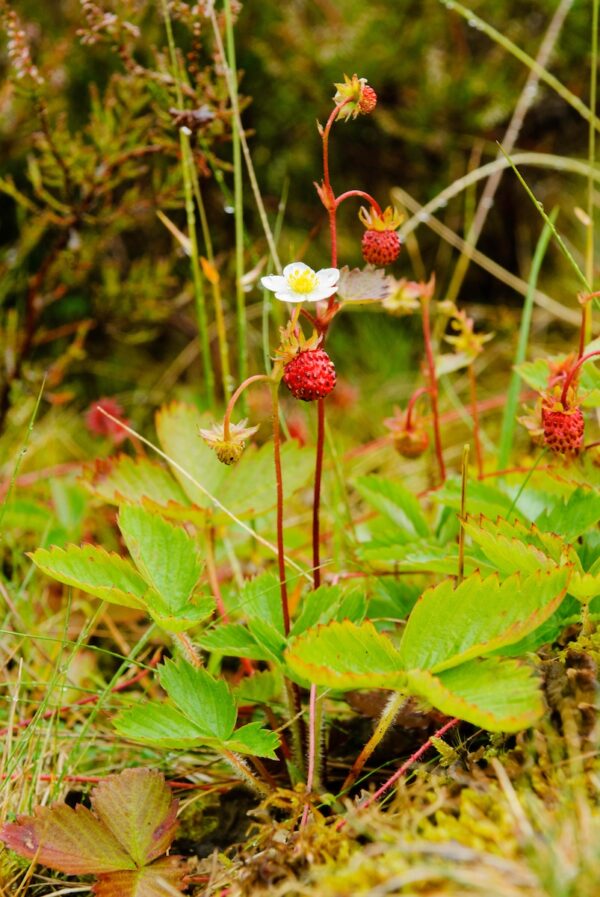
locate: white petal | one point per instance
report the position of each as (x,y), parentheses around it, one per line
(329,276)
(273,282)
(319,293)
(289,296)
(295,266)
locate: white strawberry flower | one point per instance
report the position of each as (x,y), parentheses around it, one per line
(299,283)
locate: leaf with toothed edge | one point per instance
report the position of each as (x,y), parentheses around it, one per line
(100,573)
(345,656)
(121,840)
(498,695)
(164,553)
(137,806)
(161,879)
(451,624)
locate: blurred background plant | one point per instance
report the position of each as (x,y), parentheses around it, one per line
(95,289)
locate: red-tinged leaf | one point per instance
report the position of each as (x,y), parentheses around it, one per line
(138,808)
(69,840)
(165,878)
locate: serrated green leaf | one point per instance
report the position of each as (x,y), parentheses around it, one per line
(549,543)
(395,502)
(508,555)
(178,428)
(204,700)
(164,553)
(483,498)
(353,607)
(245,488)
(254,740)
(138,481)
(567,613)
(534,373)
(589,385)
(268,638)
(261,688)
(449,625)
(498,695)
(234,640)
(198,609)
(249,487)
(571,518)
(159,725)
(260,599)
(318,606)
(421,557)
(137,806)
(104,575)
(345,656)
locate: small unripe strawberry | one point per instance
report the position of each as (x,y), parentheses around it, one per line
(563,430)
(380,247)
(310,375)
(368,100)
(410,443)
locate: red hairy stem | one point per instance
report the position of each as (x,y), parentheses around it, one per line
(279,481)
(475,419)
(316,522)
(572,373)
(433,387)
(360,193)
(231,403)
(421,391)
(312,750)
(402,769)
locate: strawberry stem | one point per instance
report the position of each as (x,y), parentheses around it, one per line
(421,391)
(572,373)
(231,404)
(361,193)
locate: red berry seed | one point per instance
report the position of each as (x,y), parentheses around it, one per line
(310,375)
(563,430)
(380,247)
(368,100)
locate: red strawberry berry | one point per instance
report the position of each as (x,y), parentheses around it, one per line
(368,100)
(380,247)
(310,375)
(563,430)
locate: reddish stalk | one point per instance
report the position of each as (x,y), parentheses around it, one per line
(421,391)
(231,403)
(312,751)
(316,521)
(475,419)
(433,387)
(572,373)
(360,193)
(91,699)
(279,481)
(403,769)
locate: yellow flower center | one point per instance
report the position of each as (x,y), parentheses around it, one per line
(303,281)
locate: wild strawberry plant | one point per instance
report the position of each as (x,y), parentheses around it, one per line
(514,578)
(495,566)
